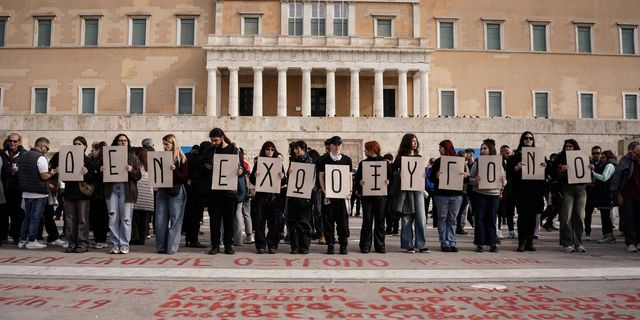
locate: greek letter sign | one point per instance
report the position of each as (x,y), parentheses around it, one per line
(534,165)
(412,173)
(578,167)
(452,169)
(337,181)
(225,172)
(71,163)
(115,164)
(374,175)
(268,174)
(301,180)
(490,171)
(158,163)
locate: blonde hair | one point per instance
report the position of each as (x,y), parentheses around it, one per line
(178,155)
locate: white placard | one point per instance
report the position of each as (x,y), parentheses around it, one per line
(374,175)
(452,169)
(412,173)
(268,179)
(534,165)
(114,159)
(70,163)
(490,170)
(578,167)
(158,163)
(301,180)
(337,181)
(225,172)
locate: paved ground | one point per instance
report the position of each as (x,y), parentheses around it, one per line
(603,283)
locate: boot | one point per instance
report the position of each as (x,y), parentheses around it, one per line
(520,245)
(321,239)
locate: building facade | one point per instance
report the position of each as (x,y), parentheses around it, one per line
(172,66)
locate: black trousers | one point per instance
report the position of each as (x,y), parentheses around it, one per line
(222,212)
(630,220)
(528,207)
(140,226)
(507,208)
(336,218)
(299,225)
(373,217)
(48,222)
(16,214)
(266,210)
(99,219)
(193,215)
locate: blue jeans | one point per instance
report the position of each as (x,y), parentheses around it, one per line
(417,221)
(448,207)
(33,210)
(168,220)
(119,216)
(485,210)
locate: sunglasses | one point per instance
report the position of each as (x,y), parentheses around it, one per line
(270,149)
(13,141)
(528,138)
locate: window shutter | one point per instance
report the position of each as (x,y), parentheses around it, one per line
(41,100)
(184,101)
(586,105)
(136,100)
(628,41)
(584,39)
(446,35)
(493,36)
(631,106)
(139,32)
(447,103)
(44,33)
(539,38)
(2,26)
(88,100)
(187,27)
(495,104)
(542,108)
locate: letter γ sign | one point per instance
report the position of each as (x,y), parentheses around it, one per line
(412,173)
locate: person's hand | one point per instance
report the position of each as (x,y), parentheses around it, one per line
(620,199)
(129,168)
(101,168)
(362,182)
(591,167)
(172,167)
(519,166)
(208,166)
(85,170)
(239,172)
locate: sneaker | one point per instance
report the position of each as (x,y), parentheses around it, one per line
(330,250)
(499,234)
(214,250)
(272,251)
(249,239)
(513,234)
(100,245)
(581,249)
(569,249)
(632,248)
(229,250)
(124,250)
(453,249)
(479,249)
(343,249)
(411,250)
(35,245)
(493,249)
(22,244)
(424,250)
(587,238)
(58,243)
(607,240)
(114,250)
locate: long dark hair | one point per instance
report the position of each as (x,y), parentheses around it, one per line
(265,146)
(521,143)
(572,142)
(115,140)
(405,145)
(491,145)
(218,133)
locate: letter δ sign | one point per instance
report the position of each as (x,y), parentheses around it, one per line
(268,174)
(452,169)
(337,181)
(301,180)
(412,174)
(160,175)
(490,171)
(115,164)
(71,163)
(225,172)
(578,167)
(534,165)
(374,174)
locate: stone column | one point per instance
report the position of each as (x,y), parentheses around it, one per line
(378,93)
(424,93)
(306,92)
(282,91)
(354,108)
(402,93)
(211,91)
(233,91)
(331,92)
(257,91)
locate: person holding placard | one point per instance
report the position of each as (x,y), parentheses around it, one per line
(528,195)
(76,205)
(485,200)
(196,196)
(373,206)
(574,199)
(98,216)
(298,209)
(410,204)
(267,204)
(625,187)
(121,196)
(334,211)
(448,202)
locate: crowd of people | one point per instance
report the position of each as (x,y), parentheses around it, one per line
(121,212)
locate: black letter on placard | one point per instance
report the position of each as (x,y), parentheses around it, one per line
(581,167)
(267,175)
(157,166)
(531,167)
(221,176)
(69,167)
(111,166)
(449,171)
(491,172)
(299,180)
(415,165)
(333,181)
(375,176)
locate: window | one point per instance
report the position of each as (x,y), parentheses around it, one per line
(340,19)
(493,36)
(3,23)
(631,106)
(40,100)
(186,31)
(587,105)
(136,100)
(445,35)
(628,39)
(384,27)
(138,31)
(447,103)
(494,103)
(583,38)
(296,13)
(87,100)
(389,102)
(539,37)
(185,100)
(1,99)
(44,27)
(318,102)
(318,19)
(250,26)
(90,31)
(541,104)
(245,98)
